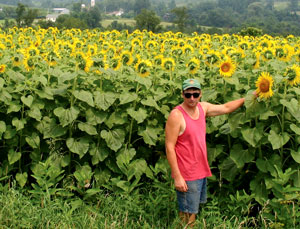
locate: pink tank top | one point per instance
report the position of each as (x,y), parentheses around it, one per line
(190,147)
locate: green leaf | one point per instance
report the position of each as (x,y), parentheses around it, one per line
(83,174)
(2,82)
(150,102)
(13,156)
(91,130)
(46,93)
(241,156)
(98,153)
(2,128)
(296,178)
(66,116)
(258,187)
(293,107)
(16,76)
(9,132)
(27,100)
(150,135)
(79,146)
(278,140)
(114,138)
(35,113)
(228,169)
(33,140)
(137,168)
(127,97)
(19,124)
(13,106)
(103,100)
(84,96)
(50,129)
(261,165)
(295,128)
(296,155)
(124,157)
(252,135)
(139,115)
(95,117)
(102,176)
(65,161)
(21,178)
(116,118)
(213,151)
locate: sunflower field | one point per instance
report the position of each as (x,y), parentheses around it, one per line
(85,110)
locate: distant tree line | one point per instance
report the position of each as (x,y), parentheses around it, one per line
(218,16)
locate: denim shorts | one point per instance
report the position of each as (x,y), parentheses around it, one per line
(189,201)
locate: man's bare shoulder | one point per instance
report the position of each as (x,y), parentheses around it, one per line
(175,115)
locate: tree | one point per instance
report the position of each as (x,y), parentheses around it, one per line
(293,6)
(25,16)
(20,11)
(181,17)
(141,4)
(148,20)
(172,5)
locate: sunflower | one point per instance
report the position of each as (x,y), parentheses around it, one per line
(264,85)
(115,63)
(126,58)
(17,61)
(158,59)
(193,65)
(2,68)
(268,54)
(292,75)
(143,67)
(227,68)
(150,45)
(168,64)
(29,63)
(188,49)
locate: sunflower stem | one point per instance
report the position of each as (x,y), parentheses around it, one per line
(132,120)
(282,118)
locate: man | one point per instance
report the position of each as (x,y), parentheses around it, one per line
(186,147)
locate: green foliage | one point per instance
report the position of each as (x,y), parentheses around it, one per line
(148,20)
(251,31)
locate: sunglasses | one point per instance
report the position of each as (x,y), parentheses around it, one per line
(189,95)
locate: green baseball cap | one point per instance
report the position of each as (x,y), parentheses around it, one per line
(191,83)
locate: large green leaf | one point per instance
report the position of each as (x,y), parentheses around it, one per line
(137,168)
(252,135)
(295,128)
(150,134)
(114,138)
(124,157)
(95,117)
(116,118)
(127,97)
(33,140)
(140,115)
(13,156)
(296,155)
(15,76)
(262,165)
(21,178)
(102,176)
(103,100)
(213,151)
(228,169)
(66,116)
(50,129)
(91,130)
(19,124)
(293,107)
(35,112)
(2,128)
(79,146)
(149,101)
(27,100)
(258,188)
(98,153)
(84,96)
(13,106)
(83,175)
(278,140)
(296,178)
(241,156)
(9,132)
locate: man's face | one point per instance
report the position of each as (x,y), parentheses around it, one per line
(191,96)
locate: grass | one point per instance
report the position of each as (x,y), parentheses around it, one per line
(130,22)
(150,207)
